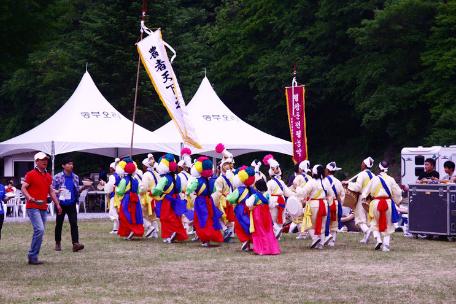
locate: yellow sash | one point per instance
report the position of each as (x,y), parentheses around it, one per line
(307,219)
(167,191)
(222,200)
(252,226)
(118,198)
(317,196)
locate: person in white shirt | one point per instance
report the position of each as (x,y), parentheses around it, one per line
(450,176)
(277,191)
(385,193)
(358,184)
(317,192)
(114,178)
(334,204)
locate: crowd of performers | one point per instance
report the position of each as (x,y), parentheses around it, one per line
(185,199)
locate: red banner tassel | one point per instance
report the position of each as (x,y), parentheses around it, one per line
(382,207)
(333,210)
(320,214)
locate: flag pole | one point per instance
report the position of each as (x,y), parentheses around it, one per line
(143,15)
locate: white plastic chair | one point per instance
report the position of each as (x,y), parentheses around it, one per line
(14,203)
(82,200)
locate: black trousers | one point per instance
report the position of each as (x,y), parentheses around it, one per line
(72,218)
(2,217)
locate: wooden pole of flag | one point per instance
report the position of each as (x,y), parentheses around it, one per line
(143,15)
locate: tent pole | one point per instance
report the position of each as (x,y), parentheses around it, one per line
(52,157)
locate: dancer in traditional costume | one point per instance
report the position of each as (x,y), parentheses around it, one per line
(182,179)
(130,212)
(359,185)
(222,187)
(170,207)
(303,176)
(316,192)
(149,180)
(385,193)
(116,174)
(253,219)
(300,180)
(206,218)
(334,204)
(277,191)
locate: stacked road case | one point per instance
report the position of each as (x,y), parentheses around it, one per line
(432,209)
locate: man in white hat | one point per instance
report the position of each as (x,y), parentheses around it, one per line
(222,187)
(277,191)
(335,203)
(358,184)
(149,180)
(110,187)
(385,193)
(36,187)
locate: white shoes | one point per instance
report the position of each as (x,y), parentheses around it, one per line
(170,239)
(150,232)
(315,243)
(113,232)
(366,237)
(130,236)
(331,243)
(385,248)
(328,239)
(278,234)
(245,246)
(378,246)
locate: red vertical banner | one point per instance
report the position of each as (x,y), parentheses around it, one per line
(295,96)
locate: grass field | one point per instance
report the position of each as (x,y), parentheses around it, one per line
(111,270)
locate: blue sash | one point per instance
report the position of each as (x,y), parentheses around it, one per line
(305,177)
(126,201)
(242,217)
(395,217)
(228,182)
(339,205)
(278,183)
(153,175)
(281,188)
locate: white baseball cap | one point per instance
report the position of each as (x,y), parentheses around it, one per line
(40,155)
(332,167)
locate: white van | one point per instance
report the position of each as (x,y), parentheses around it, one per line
(412,161)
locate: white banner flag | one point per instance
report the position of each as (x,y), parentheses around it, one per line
(155,60)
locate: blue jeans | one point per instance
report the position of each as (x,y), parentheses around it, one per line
(38,219)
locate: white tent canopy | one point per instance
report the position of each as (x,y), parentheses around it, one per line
(87,122)
(214,123)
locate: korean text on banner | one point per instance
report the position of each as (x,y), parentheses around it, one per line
(297,120)
(155,60)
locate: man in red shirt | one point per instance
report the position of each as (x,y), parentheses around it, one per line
(36,188)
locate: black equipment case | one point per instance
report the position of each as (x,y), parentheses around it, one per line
(432,209)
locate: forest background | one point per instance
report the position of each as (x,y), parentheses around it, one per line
(379,75)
